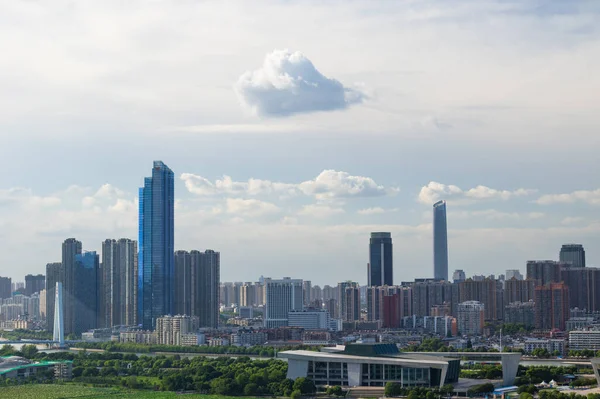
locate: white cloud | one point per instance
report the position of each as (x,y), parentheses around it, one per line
(591,197)
(329,184)
(572,220)
(250,207)
(320,211)
(288,83)
(494,214)
(334,184)
(371,211)
(24,197)
(435,191)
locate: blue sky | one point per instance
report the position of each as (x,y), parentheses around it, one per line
(295,128)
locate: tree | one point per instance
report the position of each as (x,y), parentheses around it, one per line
(447,389)
(305,385)
(296,394)
(29,351)
(251,389)
(413,394)
(90,372)
(286,386)
(131,382)
(430,395)
(525,395)
(220,386)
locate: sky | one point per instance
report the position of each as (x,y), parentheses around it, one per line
(296,128)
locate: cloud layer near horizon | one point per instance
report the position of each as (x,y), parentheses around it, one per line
(329,184)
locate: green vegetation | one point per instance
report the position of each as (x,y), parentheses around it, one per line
(516,328)
(27,351)
(537,374)
(335,391)
(584,353)
(259,350)
(79,391)
(531,389)
(584,382)
(553,394)
(437,345)
(481,371)
(393,389)
(481,389)
(25,334)
(221,376)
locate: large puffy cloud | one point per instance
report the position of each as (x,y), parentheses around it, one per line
(329,184)
(288,83)
(435,191)
(591,197)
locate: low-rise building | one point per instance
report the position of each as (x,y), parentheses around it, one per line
(580,323)
(246,312)
(169,329)
(138,337)
(248,338)
(371,365)
(97,335)
(218,341)
(193,339)
(309,319)
(584,339)
(16,367)
(551,345)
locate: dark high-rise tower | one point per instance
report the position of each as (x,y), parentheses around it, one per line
(85,293)
(183,283)
(205,278)
(5,287)
(381,265)
(156,240)
(70,249)
(440,241)
(573,254)
(545,271)
(118,306)
(34,284)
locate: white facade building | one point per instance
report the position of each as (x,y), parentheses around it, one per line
(470,318)
(551,345)
(282,296)
(309,319)
(584,339)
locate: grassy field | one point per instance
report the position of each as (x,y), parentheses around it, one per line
(78,391)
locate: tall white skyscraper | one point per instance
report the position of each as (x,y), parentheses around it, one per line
(59,323)
(282,296)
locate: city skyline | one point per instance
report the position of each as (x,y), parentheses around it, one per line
(474,122)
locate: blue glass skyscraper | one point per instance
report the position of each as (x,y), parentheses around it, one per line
(440,241)
(156,246)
